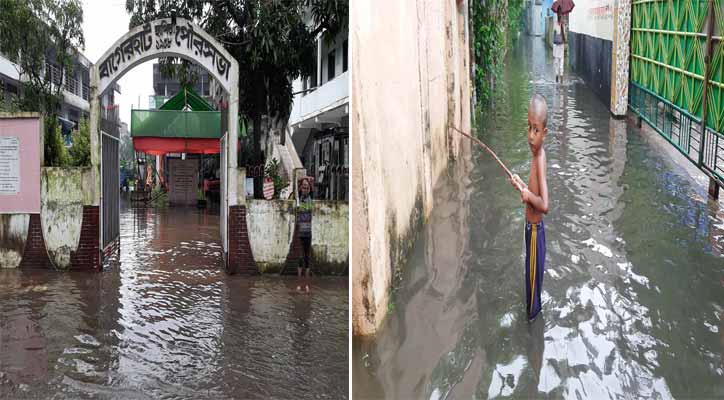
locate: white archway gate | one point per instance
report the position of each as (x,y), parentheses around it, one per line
(168,37)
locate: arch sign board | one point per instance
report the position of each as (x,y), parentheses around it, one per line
(169,37)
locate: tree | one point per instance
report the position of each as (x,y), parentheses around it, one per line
(36,32)
(80,151)
(33,33)
(493,23)
(55,153)
(273,41)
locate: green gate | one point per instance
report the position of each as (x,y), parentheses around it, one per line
(674,45)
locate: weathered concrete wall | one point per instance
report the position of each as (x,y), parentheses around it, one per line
(271,231)
(13,235)
(405,95)
(62,197)
(330,234)
(271,226)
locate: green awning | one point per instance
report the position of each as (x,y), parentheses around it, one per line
(176,124)
(187,97)
(171,121)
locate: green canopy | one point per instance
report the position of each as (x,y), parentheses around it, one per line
(187,97)
(185,115)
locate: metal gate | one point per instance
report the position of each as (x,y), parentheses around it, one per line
(110,182)
(677,76)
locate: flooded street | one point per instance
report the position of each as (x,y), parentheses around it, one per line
(168,322)
(633,294)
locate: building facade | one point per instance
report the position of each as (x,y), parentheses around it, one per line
(319,121)
(75,104)
(165,86)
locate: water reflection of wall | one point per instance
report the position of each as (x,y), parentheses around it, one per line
(432,303)
(54,326)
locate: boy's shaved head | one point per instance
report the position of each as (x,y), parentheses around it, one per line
(539,108)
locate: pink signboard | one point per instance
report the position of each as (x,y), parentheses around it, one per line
(19,165)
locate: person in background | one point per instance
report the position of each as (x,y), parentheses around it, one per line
(304,221)
(559,45)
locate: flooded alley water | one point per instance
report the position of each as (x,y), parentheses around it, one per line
(168,322)
(633,295)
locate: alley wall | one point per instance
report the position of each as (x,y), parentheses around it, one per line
(599,34)
(411,81)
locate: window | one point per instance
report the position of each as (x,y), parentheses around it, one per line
(344,56)
(330,64)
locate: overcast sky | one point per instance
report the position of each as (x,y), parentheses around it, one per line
(104,22)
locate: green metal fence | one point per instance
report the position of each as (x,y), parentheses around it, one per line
(674,45)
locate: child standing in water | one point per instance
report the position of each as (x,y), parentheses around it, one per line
(304,219)
(535,197)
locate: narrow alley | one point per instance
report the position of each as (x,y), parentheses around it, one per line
(633,275)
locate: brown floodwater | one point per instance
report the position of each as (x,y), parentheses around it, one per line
(633,295)
(165,321)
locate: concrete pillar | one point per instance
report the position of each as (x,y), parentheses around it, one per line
(319,60)
(620,58)
(95,134)
(232,146)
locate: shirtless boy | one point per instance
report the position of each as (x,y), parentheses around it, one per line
(535,197)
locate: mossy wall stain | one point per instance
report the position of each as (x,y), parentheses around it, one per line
(62,197)
(270,225)
(13,235)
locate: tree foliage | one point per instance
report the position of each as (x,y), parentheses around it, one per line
(55,154)
(273,41)
(33,32)
(79,153)
(494,24)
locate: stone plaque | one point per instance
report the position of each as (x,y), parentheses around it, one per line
(183,181)
(9,165)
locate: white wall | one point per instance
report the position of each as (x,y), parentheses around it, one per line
(411,81)
(593,18)
(330,95)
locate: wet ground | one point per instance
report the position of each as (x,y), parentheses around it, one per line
(633,296)
(168,322)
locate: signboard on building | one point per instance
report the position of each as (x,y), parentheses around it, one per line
(593,18)
(183,181)
(177,36)
(20,165)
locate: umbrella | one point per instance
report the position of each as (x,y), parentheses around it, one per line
(566,6)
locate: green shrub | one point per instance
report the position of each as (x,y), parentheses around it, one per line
(80,150)
(56,155)
(272,171)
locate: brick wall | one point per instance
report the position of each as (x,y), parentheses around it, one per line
(35,254)
(240,258)
(87,255)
